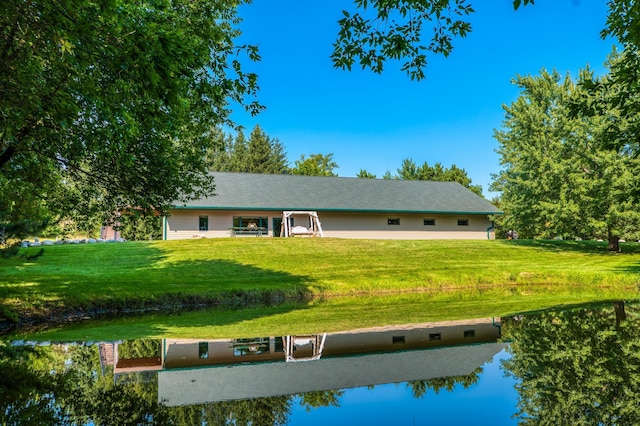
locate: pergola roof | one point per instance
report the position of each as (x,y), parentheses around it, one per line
(248,191)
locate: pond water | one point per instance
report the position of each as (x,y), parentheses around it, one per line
(573,366)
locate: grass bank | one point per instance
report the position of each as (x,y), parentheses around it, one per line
(113,278)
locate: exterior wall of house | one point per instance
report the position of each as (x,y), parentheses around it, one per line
(404,226)
(183,224)
(183,353)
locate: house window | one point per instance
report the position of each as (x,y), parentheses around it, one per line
(250,221)
(429,222)
(396,340)
(463,222)
(203,223)
(393,221)
(435,336)
(469,333)
(203,350)
(252,346)
(279,344)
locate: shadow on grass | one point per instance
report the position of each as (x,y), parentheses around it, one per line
(593,247)
(630,269)
(136,283)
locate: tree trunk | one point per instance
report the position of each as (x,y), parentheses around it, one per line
(6,155)
(614,243)
(621,315)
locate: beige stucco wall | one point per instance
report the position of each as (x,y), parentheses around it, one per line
(180,353)
(375,226)
(183,224)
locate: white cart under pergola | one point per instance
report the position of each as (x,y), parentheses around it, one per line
(314,229)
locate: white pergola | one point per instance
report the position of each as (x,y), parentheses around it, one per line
(314,230)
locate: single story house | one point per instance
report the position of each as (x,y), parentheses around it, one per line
(346,208)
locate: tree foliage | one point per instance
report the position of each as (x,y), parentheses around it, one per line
(65,384)
(409,170)
(408,30)
(259,154)
(419,388)
(363,174)
(315,165)
(384,30)
(575,367)
(110,100)
(110,103)
(570,157)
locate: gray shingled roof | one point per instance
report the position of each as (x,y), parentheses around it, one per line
(248,191)
(260,380)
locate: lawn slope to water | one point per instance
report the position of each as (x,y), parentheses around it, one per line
(146,275)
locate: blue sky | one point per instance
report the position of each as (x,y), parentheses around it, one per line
(490,401)
(373,122)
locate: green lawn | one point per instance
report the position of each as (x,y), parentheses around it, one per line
(69,277)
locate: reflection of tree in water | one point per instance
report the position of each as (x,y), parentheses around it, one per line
(319,399)
(62,385)
(419,388)
(65,384)
(260,411)
(26,386)
(139,348)
(576,367)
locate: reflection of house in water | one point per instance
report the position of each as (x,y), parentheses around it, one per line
(110,356)
(267,366)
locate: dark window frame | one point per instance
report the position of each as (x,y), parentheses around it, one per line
(203,223)
(393,221)
(203,350)
(463,222)
(243,221)
(398,340)
(429,222)
(469,334)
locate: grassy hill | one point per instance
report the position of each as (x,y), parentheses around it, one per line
(80,280)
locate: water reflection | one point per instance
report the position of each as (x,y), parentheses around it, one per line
(580,366)
(280,365)
(249,380)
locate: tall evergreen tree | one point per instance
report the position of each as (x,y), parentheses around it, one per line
(265,155)
(259,154)
(409,170)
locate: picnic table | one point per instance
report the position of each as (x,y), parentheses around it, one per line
(247,230)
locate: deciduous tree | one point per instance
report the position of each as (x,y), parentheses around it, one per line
(315,165)
(570,160)
(575,367)
(377,31)
(114,96)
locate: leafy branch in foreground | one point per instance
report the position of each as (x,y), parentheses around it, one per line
(398,29)
(395,30)
(111,101)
